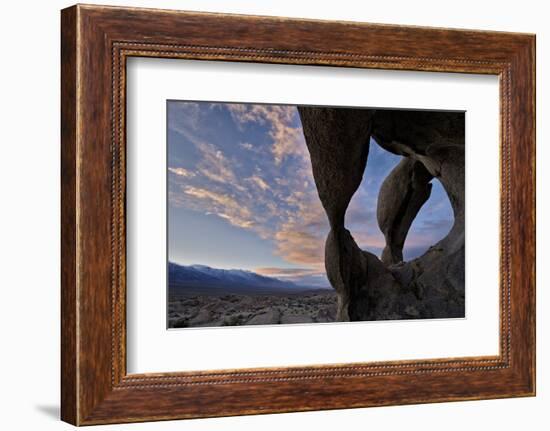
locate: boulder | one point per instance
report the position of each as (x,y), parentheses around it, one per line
(267,317)
(296,318)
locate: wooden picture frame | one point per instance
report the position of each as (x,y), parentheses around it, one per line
(95,43)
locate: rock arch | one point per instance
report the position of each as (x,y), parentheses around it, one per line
(432,146)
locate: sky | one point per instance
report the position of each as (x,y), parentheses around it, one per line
(241,193)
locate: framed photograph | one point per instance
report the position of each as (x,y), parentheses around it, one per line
(324,215)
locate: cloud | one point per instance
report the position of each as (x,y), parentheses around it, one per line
(281,121)
(176,199)
(435,225)
(184,119)
(286,272)
(259,182)
(222,205)
(249,147)
(426,233)
(301,276)
(300,238)
(361,220)
(213,163)
(184,116)
(182,172)
(299,247)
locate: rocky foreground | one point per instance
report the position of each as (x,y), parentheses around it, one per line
(191,311)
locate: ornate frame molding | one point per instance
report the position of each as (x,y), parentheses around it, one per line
(96,41)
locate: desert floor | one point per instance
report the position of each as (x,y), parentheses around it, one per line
(185,311)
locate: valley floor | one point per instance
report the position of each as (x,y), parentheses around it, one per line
(193,310)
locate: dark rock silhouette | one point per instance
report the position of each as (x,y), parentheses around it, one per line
(432,146)
(401,196)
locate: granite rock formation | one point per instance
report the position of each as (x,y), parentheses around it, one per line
(432,148)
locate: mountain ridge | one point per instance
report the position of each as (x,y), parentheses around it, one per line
(183,278)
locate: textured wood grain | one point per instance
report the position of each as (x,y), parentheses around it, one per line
(96,41)
(69,397)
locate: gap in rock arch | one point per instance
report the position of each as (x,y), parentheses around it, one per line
(361,213)
(432,223)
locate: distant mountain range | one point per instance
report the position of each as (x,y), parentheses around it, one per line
(199,279)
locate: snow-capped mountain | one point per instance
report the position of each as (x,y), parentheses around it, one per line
(231,280)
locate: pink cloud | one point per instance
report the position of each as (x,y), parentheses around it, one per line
(223,206)
(182,172)
(287,138)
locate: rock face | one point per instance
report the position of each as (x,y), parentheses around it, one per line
(432,146)
(401,196)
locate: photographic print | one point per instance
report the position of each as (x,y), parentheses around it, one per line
(282,214)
